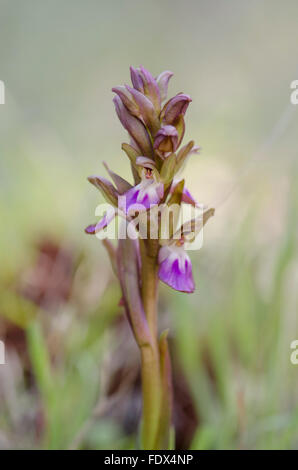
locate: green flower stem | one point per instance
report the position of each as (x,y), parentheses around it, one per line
(152,396)
(151,363)
(165,419)
(149,285)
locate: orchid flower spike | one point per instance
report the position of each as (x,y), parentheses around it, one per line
(155,126)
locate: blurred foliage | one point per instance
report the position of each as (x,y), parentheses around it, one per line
(71,374)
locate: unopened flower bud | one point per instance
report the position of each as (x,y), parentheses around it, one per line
(144,82)
(166,140)
(175,107)
(134,127)
(163,83)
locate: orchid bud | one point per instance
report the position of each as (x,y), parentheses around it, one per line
(175,107)
(144,82)
(166,140)
(151,88)
(146,110)
(138,105)
(137,79)
(127,100)
(134,127)
(163,83)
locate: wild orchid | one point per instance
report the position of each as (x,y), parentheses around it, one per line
(156,129)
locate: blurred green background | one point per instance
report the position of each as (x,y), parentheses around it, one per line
(71,378)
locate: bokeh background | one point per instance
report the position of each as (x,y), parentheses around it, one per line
(71,378)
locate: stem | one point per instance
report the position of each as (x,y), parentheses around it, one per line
(149,286)
(152,395)
(150,358)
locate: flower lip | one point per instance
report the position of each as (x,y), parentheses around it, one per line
(175,268)
(143,196)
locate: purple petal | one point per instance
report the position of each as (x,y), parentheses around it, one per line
(175,269)
(90,229)
(141,197)
(188,198)
(186,195)
(103,223)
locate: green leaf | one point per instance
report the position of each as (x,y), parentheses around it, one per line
(194,226)
(106,188)
(183,154)
(177,193)
(168,168)
(132,154)
(180,127)
(121,184)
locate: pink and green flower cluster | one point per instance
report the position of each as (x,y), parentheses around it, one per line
(156,127)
